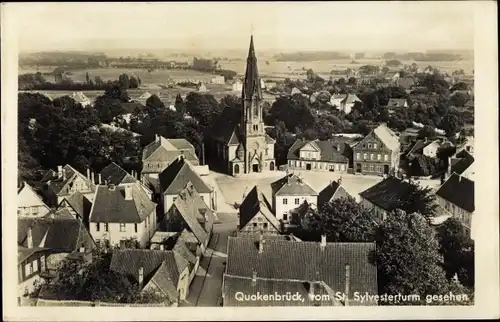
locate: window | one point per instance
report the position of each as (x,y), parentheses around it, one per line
(297,201)
(267,151)
(174,198)
(379,157)
(358,155)
(285,216)
(97,227)
(202,198)
(42,263)
(28,269)
(255,225)
(285,201)
(265,225)
(122,227)
(308,155)
(365,156)
(106,227)
(135,227)
(372,156)
(259,219)
(98,242)
(374,145)
(371,167)
(369,145)
(35,266)
(343,167)
(386,157)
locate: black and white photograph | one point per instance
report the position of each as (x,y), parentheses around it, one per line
(250,154)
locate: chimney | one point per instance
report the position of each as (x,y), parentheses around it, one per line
(157,138)
(339,181)
(59,171)
(88,173)
(29,238)
(141,276)
(202,153)
(111,187)
(347,281)
(99,181)
(128,192)
(323,241)
(82,249)
(448,170)
(92,178)
(459,178)
(162,247)
(254,278)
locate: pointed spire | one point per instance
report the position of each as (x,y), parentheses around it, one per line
(251,84)
(251,50)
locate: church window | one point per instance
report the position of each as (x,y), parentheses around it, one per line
(255,111)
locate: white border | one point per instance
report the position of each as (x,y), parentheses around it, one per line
(487,247)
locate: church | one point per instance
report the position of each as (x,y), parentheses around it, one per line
(237,139)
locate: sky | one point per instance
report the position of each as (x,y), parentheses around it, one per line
(286,26)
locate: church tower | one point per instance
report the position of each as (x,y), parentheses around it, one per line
(252,123)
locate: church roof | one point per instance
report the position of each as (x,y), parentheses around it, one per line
(251,83)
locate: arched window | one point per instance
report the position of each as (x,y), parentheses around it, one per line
(236,169)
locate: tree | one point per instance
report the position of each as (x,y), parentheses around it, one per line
(342,220)
(459,99)
(457,249)
(452,124)
(180,107)
(134,83)
(393,63)
(154,105)
(418,200)
(98,81)
(124,81)
(408,258)
(87,78)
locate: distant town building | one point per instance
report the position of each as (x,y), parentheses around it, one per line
(334,190)
(79,97)
(344,102)
(237,86)
(219,79)
(317,155)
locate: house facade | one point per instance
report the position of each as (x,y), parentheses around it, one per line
(344,102)
(317,156)
(377,153)
(456,197)
(238,138)
(30,263)
(29,203)
(256,215)
(121,213)
(288,194)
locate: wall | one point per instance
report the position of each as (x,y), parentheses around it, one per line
(370,151)
(379,212)
(183,284)
(464,216)
(114,235)
(431,149)
(257,223)
(168,200)
(318,165)
(281,209)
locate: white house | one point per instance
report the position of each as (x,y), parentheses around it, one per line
(29,203)
(120,213)
(237,86)
(219,79)
(288,194)
(79,97)
(344,102)
(456,197)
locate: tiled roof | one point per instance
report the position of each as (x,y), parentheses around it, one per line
(256,236)
(419,145)
(161,267)
(176,176)
(255,202)
(387,136)
(459,191)
(225,126)
(110,205)
(305,261)
(60,186)
(388,193)
(292,185)
(245,285)
(195,212)
(332,191)
(24,253)
(114,174)
(463,163)
(60,234)
(79,203)
(182,249)
(328,150)
(168,150)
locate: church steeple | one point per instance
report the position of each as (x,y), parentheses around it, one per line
(251,84)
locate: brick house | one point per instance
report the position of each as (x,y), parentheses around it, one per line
(377,153)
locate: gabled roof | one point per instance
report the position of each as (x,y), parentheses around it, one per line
(114,174)
(332,191)
(80,204)
(59,234)
(60,186)
(176,176)
(459,191)
(465,160)
(24,253)
(27,196)
(163,149)
(110,205)
(163,268)
(419,145)
(292,185)
(305,261)
(182,249)
(255,202)
(234,284)
(387,136)
(195,212)
(387,194)
(328,150)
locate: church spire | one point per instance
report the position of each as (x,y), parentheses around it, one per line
(251,84)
